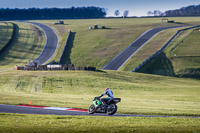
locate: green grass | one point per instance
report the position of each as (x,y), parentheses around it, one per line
(149,49)
(27,45)
(6,30)
(180,58)
(20,123)
(98,47)
(140,93)
(185,55)
(159,65)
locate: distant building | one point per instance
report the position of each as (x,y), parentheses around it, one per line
(59,22)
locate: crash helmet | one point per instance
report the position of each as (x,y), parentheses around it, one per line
(107,89)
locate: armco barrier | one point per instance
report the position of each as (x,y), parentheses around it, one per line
(160,50)
(61,57)
(55,68)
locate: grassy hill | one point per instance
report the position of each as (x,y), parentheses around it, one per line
(140,93)
(181,58)
(97,47)
(143,94)
(27,45)
(149,49)
(185,55)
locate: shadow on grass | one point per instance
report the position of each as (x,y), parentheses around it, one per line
(60,24)
(105,28)
(5,51)
(190,73)
(65,59)
(180,23)
(159,65)
(100,71)
(5,27)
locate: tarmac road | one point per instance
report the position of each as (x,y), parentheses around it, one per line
(62,111)
(30,110)
(50,46)
(120,59)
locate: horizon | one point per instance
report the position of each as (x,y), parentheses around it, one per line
(136,8)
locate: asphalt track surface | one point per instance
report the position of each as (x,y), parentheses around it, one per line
(50,45)
(62,111)
(126,54)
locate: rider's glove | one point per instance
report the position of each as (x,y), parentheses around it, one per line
(100,96)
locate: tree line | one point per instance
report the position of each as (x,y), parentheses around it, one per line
(184,11)
(52,13)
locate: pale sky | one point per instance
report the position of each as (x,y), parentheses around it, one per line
(135,7)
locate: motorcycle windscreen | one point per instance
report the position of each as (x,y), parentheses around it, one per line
(96,103)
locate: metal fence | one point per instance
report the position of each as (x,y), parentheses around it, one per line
(54,68)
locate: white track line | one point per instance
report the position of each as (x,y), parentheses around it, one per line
(56,108)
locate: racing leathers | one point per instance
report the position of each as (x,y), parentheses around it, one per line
(110,95)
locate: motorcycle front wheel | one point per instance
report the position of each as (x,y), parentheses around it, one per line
(112,109)
(91,109)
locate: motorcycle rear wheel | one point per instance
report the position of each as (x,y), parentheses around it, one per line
(91,109)
(112,109)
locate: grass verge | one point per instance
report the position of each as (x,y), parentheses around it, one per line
(19,123)
(140,93)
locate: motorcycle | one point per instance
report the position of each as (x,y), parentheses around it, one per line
(109,107)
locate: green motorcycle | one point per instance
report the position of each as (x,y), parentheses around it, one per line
(109,107)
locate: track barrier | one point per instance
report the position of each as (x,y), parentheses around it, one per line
(55,67)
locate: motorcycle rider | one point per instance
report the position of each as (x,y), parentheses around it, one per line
(107,92)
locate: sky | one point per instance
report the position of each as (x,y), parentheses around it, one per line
(135,7)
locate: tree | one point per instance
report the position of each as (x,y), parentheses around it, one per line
(117,13)
(185,11)
(157,13)
(52,13)
(126,12)
(149,13)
